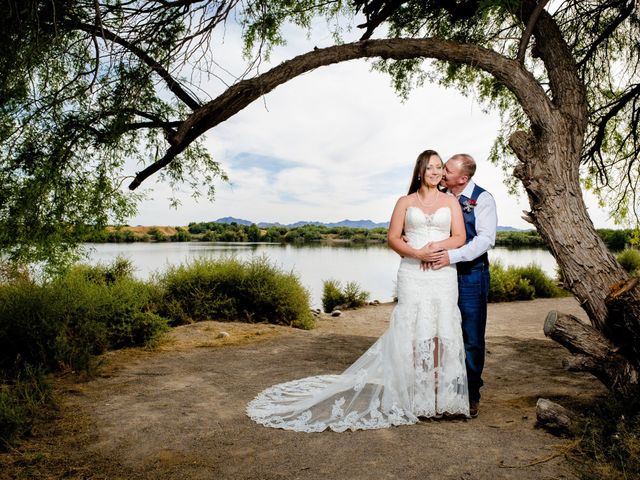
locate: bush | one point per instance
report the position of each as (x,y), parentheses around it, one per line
(521,283)
(181,235)
(609,438)
(543,285)
(21,399)
(334,296)
(66,322)
(227,289)
(157,235)
(630,260)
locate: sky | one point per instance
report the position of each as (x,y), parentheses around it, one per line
(333,144)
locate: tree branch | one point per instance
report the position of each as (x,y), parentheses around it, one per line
(606,33)
(376,13)
(603,120)
(524,41)
(515,77)
(568,90)
(171,82)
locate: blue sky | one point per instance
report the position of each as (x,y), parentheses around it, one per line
(333,144)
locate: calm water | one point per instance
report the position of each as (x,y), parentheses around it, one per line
(373,267)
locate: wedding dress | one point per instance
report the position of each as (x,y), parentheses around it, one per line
(415,369)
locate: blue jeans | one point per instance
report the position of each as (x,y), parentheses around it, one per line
(473,288)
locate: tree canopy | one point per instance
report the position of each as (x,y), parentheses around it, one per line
(91,85)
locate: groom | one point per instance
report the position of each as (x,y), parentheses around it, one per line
(471,260)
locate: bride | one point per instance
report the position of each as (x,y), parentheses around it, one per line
(416,368)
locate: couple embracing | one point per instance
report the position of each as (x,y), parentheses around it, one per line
(429,361)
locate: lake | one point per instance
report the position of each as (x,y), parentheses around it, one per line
(373,267)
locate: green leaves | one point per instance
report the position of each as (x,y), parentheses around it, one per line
(79,110)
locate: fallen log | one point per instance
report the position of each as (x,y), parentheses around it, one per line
(593,352)
(554,417)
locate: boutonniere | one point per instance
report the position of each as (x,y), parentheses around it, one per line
(469,205)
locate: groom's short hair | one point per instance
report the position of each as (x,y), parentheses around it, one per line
(467,163)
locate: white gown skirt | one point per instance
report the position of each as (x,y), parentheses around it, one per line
(415,369)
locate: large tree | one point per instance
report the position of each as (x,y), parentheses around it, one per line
(90,83)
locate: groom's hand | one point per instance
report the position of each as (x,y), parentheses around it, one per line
(443,261)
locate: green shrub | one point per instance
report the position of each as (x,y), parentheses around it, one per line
(543,285)
(333,295)
(521,283)
(228,289)
(21,399)
(507,285)
(157,235)
(181,235)
(66,322)
(630,260)
(608,437)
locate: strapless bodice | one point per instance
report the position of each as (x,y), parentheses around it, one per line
(421,228)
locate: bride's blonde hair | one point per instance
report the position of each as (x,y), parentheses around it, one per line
(421,166)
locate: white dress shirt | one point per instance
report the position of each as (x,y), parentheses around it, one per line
(486,225)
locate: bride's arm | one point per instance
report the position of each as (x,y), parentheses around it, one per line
(396,226)
(458,233)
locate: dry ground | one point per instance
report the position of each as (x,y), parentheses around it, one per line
(178,412)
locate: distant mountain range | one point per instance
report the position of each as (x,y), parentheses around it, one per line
(344,223)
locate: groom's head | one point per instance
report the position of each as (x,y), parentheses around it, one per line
(458,171)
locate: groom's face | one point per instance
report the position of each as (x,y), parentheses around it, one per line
(453,174)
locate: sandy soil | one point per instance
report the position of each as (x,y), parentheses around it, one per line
(178,412)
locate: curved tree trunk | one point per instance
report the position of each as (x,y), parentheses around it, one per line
(550,176)
(550,159)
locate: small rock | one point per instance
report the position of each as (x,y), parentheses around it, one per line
(336,313)
(223,335)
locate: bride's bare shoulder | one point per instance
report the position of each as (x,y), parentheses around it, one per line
(405,200)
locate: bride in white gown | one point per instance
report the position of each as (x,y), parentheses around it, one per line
(416,368)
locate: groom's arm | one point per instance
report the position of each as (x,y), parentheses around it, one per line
(486,225)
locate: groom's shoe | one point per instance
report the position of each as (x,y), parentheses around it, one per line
(473,408)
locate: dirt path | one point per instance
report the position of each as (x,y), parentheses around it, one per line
(178,413)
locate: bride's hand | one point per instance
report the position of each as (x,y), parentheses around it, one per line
(430,253)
